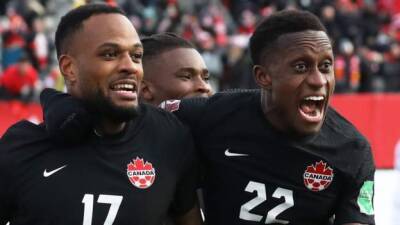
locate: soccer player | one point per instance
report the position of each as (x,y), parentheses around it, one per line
(174,69)
(281,155)
(137,165)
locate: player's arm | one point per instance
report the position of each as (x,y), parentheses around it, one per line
(192,217)
(65,117)
(188,110)
(356,203)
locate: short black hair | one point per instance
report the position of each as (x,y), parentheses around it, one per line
(73,20)
(282,22)
(158,43)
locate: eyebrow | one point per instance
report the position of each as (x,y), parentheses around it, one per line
(114,45)
(193,70)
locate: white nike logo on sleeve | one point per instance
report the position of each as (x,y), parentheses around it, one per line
(231,154)
(47,174)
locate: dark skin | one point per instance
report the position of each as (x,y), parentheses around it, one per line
(302,68)
(112,57)
(168,78)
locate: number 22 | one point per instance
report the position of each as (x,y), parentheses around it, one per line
(252,186)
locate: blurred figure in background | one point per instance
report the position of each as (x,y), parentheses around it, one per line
(347,68)
(13,39)
(211,25)
(38,44)
(212,56)
(391,68)
(20,80)
(238,65)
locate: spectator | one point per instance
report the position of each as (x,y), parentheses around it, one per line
(391,68)
(13,39)
(20,80)
(364,23)
(347,68)
(38,45)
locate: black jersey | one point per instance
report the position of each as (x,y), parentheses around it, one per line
(256,175)
(136,177)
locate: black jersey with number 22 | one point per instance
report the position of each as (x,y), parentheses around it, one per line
(256,175)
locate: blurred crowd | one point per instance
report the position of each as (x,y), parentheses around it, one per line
(365,33)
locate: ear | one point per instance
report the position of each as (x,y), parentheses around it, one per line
(262,76)
(146,91)
(68,69)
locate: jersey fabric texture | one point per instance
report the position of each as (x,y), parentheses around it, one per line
(256,175)
(139,176)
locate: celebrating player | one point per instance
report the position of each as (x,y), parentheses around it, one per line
(281,155)
(136,166)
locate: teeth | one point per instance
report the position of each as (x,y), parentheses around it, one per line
(314,98)
(124,86)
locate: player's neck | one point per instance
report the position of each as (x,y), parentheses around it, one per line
(108,127)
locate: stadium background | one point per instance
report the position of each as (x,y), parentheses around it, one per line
(365,33)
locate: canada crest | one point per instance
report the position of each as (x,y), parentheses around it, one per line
(318,176)
(141,174)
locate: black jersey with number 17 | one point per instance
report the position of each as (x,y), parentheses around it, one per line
(256,175)
(136,177)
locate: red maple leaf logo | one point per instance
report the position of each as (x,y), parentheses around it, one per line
(318,177)
(141,174)
(138,164)
(320,168)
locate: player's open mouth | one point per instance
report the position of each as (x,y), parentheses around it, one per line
(125,90)
(312,108)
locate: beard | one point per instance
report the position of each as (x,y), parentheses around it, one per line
(102,107)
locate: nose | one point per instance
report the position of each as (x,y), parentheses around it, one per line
(202,86)
(127,65)
(317,79)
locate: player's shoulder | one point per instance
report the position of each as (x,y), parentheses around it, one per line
(208,111)
(233,96)
(344,146)
(160,118)
(339,128)
(23,131)
(222,102)
(19,138)
(168,129)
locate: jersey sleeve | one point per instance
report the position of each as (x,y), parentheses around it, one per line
(65,117)
(185,197)
(189,111)
(356,204)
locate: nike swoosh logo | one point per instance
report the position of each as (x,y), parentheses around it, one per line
(230,154)
(47,174)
